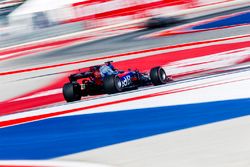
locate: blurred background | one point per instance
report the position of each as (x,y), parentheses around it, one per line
(28,20)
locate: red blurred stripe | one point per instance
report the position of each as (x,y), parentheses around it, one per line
(120,55)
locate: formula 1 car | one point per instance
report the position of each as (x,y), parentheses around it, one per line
(92,83)
(159,22)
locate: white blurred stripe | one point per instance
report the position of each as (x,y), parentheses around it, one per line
(41,94)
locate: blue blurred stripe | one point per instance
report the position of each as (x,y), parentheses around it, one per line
(238,19)
(65,135)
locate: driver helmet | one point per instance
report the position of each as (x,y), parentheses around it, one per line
(109,63)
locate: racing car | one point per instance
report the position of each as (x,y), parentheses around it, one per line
(95,81)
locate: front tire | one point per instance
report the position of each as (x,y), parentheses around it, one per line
(112,84)
(72,92)
(158,76)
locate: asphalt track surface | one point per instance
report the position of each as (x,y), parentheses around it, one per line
(124,43)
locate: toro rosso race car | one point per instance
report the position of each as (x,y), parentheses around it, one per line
(105,78)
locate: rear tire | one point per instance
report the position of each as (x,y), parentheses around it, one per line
(158,76)
(72,92)
(112,84)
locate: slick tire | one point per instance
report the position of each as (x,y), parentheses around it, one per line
(72,92)
(112,84)
(158,76)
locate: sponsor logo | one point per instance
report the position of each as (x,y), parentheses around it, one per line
(126,80)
